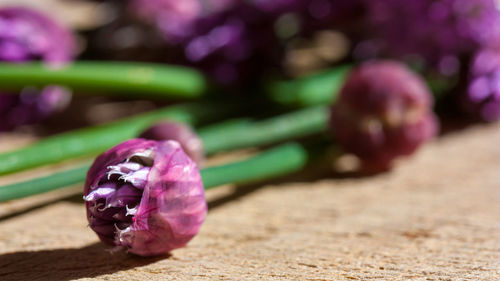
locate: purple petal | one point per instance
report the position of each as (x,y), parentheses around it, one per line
(125,195)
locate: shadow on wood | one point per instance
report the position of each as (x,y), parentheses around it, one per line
(68,264)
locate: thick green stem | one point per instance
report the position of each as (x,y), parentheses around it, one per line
(281,160)
(93,140)
(118,78)
(316,89)
(221,137)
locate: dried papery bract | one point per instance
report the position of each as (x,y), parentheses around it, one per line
(168,130)
(145,196)
(383,111)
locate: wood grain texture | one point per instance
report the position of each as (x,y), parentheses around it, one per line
(436,217)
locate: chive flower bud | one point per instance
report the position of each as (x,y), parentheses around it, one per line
(482,97)
(384,111)
(27,35)
(145,196)
(190,142)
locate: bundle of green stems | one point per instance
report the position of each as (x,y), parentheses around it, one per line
(167,82)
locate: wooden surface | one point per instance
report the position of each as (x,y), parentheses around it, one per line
(436,217)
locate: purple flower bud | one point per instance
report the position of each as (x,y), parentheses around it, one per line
(190,142)
(482,96)
(28,35)
(384,111)
(145,196)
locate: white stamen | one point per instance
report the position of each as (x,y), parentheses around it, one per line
(137,178)
(130,211)
(99,193)
(121,235)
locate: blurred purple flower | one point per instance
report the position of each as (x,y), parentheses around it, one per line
(191,143)
(31,106)
(384,111)
(236,42)
(27,35)
(145,196)
(174,18)
(437,31)
(482,97)
(237,45)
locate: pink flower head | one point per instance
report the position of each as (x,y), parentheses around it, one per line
(145,196)
(384,111)
(190,141)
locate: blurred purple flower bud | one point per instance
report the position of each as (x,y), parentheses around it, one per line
(437,31)
(237,42)
(31,106)
(384,111)
(145,196)
(28,35)
(190,142)
(482,97)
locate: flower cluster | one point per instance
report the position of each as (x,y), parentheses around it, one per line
(145,196)
(234,41)
(27,35)
(437,31)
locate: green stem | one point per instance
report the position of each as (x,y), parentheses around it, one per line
(221,137)
(120,78)
(317,89)
(296,124)
(96,139)
(43,184)
(322,88)
(284,159)
(281,160)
